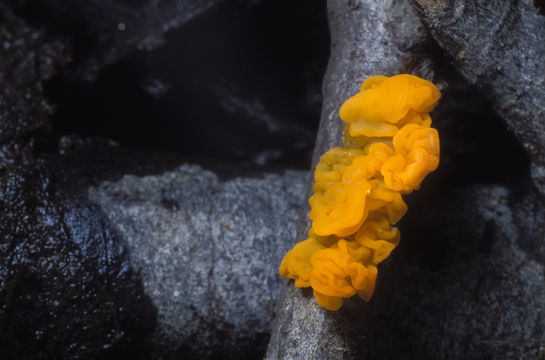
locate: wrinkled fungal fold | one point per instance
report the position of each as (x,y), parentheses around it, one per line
(389,148)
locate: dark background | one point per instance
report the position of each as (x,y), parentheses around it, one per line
(241,82)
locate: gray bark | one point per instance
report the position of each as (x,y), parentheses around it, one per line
(499,46)
(207,252)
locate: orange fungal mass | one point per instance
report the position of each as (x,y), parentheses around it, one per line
(389,148)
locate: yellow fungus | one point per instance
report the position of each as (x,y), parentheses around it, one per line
(389,148)
(383,102)
(296,264)
(417,154)
(339,272)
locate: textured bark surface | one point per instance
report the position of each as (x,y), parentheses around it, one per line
(367,38)
(499,46)
(207,252)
